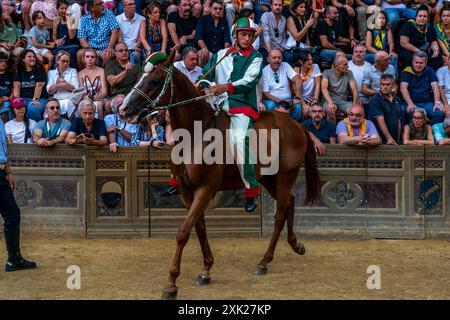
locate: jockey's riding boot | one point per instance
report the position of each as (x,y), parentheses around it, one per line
(250,204)
(15,260)
(170,191)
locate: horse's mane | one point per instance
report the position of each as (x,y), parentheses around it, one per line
(201,106)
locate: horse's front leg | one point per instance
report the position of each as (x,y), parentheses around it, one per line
(198,206)
(208,259)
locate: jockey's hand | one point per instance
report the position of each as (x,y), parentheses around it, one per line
(218,89)
(262,106)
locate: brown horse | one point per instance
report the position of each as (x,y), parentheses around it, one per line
(199,183)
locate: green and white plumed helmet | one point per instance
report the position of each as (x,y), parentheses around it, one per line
(243,23)
(152,60)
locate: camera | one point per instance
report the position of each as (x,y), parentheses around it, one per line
(88,135)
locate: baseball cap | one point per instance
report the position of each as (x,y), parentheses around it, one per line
(16,102)
(4,109)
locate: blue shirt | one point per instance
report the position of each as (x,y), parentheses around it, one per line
(98,33)
(114,120)
(438,132)
(142,136)
(3,156)
(419,86)
(214,36)
(341,128)
(326,130)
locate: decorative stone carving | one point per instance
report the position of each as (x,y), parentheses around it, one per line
(23,193)
(47,163)
(338,194)
(115,196)
(115,165)
(341,193)
(154,164)
(431,164)
(373,164)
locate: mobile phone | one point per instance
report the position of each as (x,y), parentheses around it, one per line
(88,135)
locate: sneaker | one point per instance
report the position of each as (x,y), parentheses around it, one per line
(250,204)
(170,191)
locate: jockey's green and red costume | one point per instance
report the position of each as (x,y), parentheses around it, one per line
(241,70)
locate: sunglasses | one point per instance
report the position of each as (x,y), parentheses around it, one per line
(277,32)
(54,108)
(275,76)
(418,118)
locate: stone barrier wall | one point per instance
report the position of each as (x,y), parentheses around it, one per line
(384,192)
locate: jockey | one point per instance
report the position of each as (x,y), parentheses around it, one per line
(236,78)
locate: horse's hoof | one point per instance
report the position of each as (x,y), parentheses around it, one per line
(169,294)
(202,280)
(259,270)
(301,250)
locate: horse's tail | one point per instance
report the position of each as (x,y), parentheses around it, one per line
(311,172)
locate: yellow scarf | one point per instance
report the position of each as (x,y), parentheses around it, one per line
(305,77)
(351,133)
(380,39)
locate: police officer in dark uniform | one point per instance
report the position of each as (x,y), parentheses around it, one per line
(10,211)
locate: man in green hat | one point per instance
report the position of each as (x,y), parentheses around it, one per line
(236,78)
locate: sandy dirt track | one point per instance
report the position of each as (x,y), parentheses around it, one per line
(138,269)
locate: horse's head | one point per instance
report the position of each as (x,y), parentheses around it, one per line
(153,89)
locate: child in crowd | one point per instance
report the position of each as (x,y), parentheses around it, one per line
(39,40)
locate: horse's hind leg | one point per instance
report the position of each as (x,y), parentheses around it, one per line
(198,206)
(208,259)
(284,185)
(298,247)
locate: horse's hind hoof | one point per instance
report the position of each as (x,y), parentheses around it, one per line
(169,294)
(202,280)
(259,270)
(301,250)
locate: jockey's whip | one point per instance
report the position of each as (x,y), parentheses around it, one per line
(214,66)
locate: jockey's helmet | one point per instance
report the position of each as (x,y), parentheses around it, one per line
(243,23)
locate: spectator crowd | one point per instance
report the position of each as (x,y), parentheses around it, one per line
(357,72)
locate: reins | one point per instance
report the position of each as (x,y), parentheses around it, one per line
(169,78)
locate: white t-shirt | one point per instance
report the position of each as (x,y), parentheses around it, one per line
(308,84)
(358,74)
(282,89)
(443,75)
(17,130)
(130,29)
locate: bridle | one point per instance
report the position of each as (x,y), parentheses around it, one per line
(153,103)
